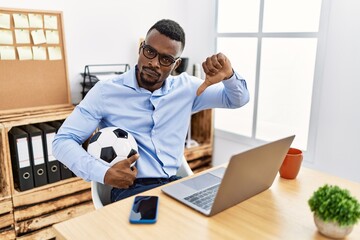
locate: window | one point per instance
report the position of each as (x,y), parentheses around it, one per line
(273,44)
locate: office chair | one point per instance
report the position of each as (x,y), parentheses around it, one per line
(100,193)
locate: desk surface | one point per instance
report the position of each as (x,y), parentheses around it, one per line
(280,212)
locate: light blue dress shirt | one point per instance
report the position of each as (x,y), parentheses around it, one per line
(158,121)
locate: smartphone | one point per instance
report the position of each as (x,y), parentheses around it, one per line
(144,209)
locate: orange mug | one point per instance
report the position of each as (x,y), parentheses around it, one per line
(291,164)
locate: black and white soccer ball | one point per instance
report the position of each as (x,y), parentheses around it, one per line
(111,145)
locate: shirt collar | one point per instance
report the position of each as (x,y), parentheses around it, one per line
(131,81)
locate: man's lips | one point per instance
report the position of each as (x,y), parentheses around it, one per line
(150,72)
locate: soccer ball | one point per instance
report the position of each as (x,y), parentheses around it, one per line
(111,145)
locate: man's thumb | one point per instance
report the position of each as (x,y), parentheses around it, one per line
(133,158)
(201,89)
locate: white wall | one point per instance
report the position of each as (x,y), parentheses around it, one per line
(338,126)
(108,31)
(335,126)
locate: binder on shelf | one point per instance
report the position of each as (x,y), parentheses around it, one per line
(55,124)
(36,152)
(53,165)
(65,172)
(20,159)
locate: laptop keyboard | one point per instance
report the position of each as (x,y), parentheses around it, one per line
(205,198)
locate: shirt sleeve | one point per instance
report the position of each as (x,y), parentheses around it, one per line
(230,93)
(77,128)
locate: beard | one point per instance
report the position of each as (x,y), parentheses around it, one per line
(149,77)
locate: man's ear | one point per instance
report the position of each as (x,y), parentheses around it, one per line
(140,46)
(177,63)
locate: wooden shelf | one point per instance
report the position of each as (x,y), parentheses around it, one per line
(30,214)
(200,157)
(35,116)
(7,218)
(47,220)
(198,152)
(5,180)
(49,191)
(7,234)
(36,92)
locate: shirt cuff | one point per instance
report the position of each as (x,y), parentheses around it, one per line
(98,171)
(233,80)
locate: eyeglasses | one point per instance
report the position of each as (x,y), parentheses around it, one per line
(150,53)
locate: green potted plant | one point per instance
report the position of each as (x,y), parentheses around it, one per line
(335,211)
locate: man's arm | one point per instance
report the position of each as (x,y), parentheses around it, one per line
(223,87)
(217,68)
(67,145)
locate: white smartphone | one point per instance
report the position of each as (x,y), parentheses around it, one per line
(144,209)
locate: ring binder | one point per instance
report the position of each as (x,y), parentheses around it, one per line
(20,158)
(36,152)
(65,172)
(53,166)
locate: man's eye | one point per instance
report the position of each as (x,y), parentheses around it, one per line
(166,60)
(150,51)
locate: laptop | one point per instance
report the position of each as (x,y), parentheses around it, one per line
(247,174)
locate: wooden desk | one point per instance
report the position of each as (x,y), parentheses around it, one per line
(280,212)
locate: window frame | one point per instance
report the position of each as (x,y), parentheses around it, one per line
(317,79)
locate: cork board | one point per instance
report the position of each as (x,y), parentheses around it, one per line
(33,70)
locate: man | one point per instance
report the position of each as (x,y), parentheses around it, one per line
(154,107)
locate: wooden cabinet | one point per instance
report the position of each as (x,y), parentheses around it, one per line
(200,157)
(7,230)
(6,218)
(30,214)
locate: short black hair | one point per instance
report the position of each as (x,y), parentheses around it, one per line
(170,29)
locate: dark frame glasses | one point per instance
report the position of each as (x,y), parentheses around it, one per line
(151,53)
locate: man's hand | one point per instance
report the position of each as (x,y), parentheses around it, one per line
(217,68)
(120,175)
